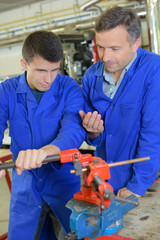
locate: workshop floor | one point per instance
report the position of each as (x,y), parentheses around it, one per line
(4,200)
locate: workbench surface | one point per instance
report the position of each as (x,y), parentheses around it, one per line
(143,222)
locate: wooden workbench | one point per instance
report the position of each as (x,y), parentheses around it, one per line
(143,222)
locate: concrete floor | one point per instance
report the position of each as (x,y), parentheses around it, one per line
(4,199)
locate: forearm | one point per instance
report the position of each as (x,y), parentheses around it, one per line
(51,149)
(142,180)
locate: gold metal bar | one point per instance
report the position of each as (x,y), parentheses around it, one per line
(83,170)
(128,161)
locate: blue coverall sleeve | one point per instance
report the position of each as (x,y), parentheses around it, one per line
(3,111)
(144,173)
(71,133)
(88,108)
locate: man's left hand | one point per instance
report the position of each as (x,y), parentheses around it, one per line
(124,193)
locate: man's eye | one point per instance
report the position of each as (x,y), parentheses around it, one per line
(115,49)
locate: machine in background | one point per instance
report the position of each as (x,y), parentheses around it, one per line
(78,54)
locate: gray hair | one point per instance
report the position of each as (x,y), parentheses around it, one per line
(119,16)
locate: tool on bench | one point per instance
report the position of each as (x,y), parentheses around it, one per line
(96,211)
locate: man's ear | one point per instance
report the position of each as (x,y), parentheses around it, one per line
(136,45)
(24,64)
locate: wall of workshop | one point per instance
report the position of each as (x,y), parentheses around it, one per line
(43,15)
(27,19)
(10,62)
(49,14)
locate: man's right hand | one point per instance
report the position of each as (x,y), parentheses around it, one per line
(32,158)
(93,124)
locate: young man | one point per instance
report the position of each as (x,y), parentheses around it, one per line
(123,102)
(42,107)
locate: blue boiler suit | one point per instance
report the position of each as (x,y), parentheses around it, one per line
(55,120)
(131,121)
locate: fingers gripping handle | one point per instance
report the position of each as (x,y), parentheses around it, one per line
(12,164)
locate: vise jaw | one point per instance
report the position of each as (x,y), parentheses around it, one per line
(89,220)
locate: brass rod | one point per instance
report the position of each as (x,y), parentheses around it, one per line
(128,161)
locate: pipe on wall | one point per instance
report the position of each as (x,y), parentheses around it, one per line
(153,20)
(90,6)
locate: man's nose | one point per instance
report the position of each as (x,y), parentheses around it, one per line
(48,77)
(107,55)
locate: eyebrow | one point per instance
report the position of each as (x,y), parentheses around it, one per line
(109,47)
(41,69)
(56,69)
(99,45)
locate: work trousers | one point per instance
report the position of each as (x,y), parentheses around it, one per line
(58,230)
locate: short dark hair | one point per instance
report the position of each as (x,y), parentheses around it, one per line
(43,43)
(119,16)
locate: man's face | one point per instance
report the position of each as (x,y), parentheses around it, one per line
(114,48)
(40,73)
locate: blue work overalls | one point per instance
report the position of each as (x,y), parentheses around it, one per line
(131,121)
(55,120)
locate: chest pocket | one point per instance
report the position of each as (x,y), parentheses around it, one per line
(19,131)
(130,110)
(130,115)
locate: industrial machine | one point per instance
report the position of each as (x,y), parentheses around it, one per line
(96,211)
(78,54)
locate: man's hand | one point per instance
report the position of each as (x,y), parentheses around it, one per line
(93,124)
(124,193)
(2,172)
(30,159)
